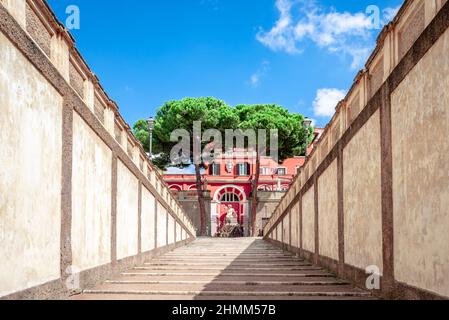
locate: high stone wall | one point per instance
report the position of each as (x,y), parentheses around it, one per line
(77,191)
(380,168)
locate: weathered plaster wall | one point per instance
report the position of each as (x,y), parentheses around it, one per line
(62,204)
(17,8)
(294,223)
(161,226)
(148,220)
(420,172)
(266,204)
(127,212)
(183,235)
(328,212)
(286,229)
(178,232)
(171,229)
(91,198)
(362,197)
(308,220)
(30,174)
(392,164)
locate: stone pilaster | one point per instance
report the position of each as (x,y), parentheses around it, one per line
(60,55)
(89,94)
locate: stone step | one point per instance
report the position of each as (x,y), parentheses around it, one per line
(225,269)
(224,255)
(242,278)
(236,294)
(225,264)
(230,274)
(221,259)
(124,286)
(171,297)
(237,258)
(225,283)
(233,251)
(218,256)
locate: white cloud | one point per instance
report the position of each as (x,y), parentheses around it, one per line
(175,170)
(214,4)
(280,37)
(344,33)
(389,14)
(326,100)
(255,79)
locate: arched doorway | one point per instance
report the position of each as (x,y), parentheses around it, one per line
(223,198)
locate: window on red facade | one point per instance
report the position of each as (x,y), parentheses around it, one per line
(230,197)
(214,169)
(243,169)
(281,171)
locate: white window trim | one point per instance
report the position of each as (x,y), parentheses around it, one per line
(245,171)
(280,168)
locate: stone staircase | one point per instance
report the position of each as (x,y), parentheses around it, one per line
(225,269)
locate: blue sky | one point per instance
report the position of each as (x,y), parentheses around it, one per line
(302,54)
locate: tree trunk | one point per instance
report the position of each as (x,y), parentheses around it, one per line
(254,203)
(199,188)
